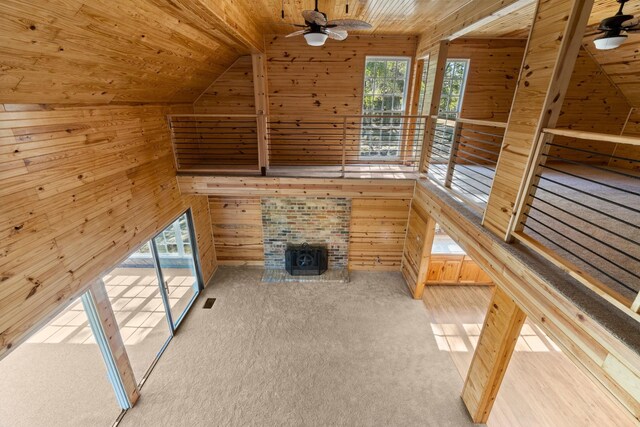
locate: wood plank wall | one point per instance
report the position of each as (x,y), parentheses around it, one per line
(231,93)
(593,104)
(493,73)
(82,188)
(326,81)
(412,256)
(377,232)
(237,230)
(78,51)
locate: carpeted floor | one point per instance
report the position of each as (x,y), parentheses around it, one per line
(356,354)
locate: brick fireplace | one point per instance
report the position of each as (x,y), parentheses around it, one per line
(313,220)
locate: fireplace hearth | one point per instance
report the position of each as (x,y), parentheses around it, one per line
(306,260)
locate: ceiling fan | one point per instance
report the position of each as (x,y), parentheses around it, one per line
(613,27)
(317,28)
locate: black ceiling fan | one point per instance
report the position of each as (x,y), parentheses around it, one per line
(613,28)
(317,28)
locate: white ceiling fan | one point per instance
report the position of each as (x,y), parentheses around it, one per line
(317,28)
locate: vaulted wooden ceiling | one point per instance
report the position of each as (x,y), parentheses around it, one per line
(621,64)
(89,51)
(386,16)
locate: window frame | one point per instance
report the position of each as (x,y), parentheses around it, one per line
(392,112)
(463,87)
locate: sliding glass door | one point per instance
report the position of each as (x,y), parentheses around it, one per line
(175,258)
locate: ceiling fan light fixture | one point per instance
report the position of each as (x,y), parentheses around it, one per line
(315,38)
(609,41)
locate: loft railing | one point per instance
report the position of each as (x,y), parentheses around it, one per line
(351,145)
(581,211)
(463,155)
(385,146)
(215,143)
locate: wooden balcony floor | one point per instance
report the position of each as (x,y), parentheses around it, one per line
(365,171)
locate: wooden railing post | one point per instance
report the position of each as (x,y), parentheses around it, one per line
(455,143)
(532,179)
(262,109)
(344,144)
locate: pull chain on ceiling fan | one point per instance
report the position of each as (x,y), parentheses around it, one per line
(317,28)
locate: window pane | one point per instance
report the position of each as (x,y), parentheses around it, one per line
(382,137)
(453,88)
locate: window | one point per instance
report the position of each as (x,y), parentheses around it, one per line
(455,77)
(385,94)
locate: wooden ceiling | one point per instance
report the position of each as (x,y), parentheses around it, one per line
(386,16)
(518,23)
(84,51)
(124,51)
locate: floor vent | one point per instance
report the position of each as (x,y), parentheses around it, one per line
(209,303)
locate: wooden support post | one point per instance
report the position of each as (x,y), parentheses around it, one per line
(262,108)
(497,340)
(554,42)
(414,108)
(114,340)
(433,91)
(636,304)
(425,257)
(344,145)
(455,143)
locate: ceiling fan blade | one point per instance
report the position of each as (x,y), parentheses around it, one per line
(336,34)
(314,17)
(348,24)
(593,33)
(296,33)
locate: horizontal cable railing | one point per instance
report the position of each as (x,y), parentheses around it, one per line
(582,210)
(464,154)
(385,146)
(375,145)
(215,143)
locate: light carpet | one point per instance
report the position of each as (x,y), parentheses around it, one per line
(303,354)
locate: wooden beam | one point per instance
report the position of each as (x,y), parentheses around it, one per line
(547,67)
(454,25)
(262,107)
(582,338)
(114,340)
(433,92)
(497,340)
(304,187)
(427,246)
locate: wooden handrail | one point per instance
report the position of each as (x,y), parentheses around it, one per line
(247,116)
(593,136)
(483,123)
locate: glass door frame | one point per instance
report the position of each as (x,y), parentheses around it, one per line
(164,293)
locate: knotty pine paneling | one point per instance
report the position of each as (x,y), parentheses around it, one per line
(81,189)
(494,67)
(386,17)
(78,51)
(631,128)
(592,104)
(328,81)
(231,93)
(377,233)
(237,230)
(412,256)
